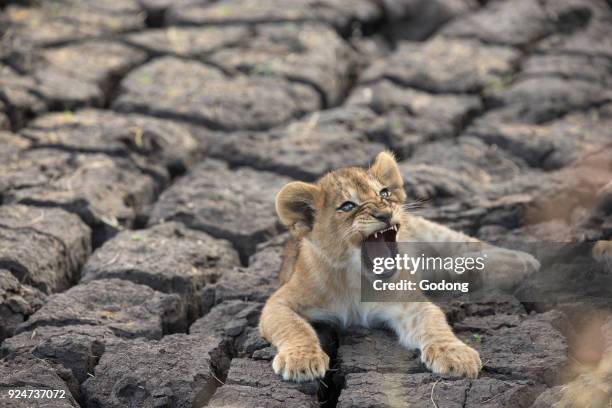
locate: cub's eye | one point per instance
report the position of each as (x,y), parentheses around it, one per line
(385,193)
(347,206)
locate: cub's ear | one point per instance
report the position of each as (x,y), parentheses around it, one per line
(385,169)
(295,206)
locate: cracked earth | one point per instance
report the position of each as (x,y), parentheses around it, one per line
(143,143)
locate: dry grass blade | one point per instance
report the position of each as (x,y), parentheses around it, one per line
(431,396)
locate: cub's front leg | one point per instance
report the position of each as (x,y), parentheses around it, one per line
(423,325)
(300,356)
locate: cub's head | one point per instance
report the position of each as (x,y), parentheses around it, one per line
(346,207)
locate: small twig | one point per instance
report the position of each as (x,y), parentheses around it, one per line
(112,261)
(432,393)
(491,399)
(216,378)
(37,219)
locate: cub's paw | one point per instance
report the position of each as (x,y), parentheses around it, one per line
(301,363)
(452,358)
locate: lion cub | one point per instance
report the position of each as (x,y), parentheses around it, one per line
(329,221)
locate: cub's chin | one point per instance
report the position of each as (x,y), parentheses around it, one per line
(381,243)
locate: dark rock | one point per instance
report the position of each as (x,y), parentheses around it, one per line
(168,258)
(549,145)
(519,22)
(189,42)
(64,77)
(237,319)
(593,39)
(534,349)
(335,12)
(528,141)
(310,54)
(415,20)
(445,66)
(12,146)
(538,100)
(573,276)
(77,348)
(410,117)
(363,350)
(83,74)
(43,247)
(494,393)
(556,231)
(128,309)
(29,373)
(425,182)
(255,282)
(20,102)
(17,303)
(266,353)
(258,374)
(484,163)
(588,68)
(387,390)
(97,131)
(487,324)
(250,342)
(308,148)
(371,47)
(460,168)
(5,122)
(236,204)
(253,383)
(235,327)
(179,370)
(577,185)
(490,303)
(508,210)
(190,91)
(156,10)
(108,193)
(57,22)
(229,318)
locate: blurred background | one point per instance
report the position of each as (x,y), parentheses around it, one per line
(143,142)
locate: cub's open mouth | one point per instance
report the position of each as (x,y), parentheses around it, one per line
(387,234)
(379,244)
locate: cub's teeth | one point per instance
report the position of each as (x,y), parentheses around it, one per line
(395,228)
(376,235)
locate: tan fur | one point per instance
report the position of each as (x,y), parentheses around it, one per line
(321,273)
(593,387)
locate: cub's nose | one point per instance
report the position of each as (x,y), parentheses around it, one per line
(382,216)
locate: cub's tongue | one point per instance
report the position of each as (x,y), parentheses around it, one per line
(376,247)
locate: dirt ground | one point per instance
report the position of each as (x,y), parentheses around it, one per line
(142,143)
